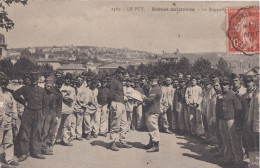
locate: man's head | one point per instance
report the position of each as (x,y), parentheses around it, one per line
(249,82)
(79,78)
(68,78)
(26,79)
(58,83)
(153,80)
(180,75)
(183,82)
(193,81)
(120,72)
(34,78)
(175,83)
(235,80)
(217,87)
(188,77)
(168,80)
(225,84)
(49,83)
(58,74)
(206,83)
(93,84)
(108,81)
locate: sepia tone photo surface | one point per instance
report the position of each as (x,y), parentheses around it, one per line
(121,84)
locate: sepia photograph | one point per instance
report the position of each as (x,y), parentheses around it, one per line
(129,84)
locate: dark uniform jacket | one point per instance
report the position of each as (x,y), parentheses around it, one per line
(245,101)
(116,92)
(228,106)
(58,100)
(33,95)
(50,103)
(103,96)
(153,100)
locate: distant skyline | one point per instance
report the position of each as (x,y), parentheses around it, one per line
(92,23)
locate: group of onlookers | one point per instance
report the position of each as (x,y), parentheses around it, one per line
(221,111)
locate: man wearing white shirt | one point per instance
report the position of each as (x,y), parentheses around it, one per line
(167,107)
(193,98)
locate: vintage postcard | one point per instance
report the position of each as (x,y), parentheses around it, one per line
(122,84)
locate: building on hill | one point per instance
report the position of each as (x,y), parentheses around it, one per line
(53,62)
(72,68)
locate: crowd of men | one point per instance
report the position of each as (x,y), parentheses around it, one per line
(220,111)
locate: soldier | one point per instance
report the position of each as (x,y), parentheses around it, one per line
(245,101)
(103,101)
(56,125)
(117,111)
(138,108)
(228,107)
(213,123)
(33,98)
(49,116)
(180,108)
(252,124)
(92,112)
(129,102)
(153,102)
(205,106)
(79,107)
(68,102)
(193,97)
(167,107)
(8,115)
(237,87)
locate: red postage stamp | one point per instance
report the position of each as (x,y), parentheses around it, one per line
(243,30)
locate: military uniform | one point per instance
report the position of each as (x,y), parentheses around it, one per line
(32,119)
(8,115)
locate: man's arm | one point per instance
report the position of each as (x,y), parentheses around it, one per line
(19,94)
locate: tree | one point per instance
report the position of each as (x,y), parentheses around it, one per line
(5,22)
(23,66)
(223,68)
(184,65)
(6,66)
(202,66)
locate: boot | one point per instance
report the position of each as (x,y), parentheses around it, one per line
(155,147)
(88,136)
(22,158)
(125,145)
(113,147)
(38,156)
(149,145)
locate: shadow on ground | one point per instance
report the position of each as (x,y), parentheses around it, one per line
(201,151)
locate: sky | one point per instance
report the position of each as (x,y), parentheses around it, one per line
(94,23)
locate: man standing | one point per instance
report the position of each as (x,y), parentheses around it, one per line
(117,110)
(8,115)
(49,116)
(167,107)
(79,107)
(92,113)
(245,101)
(129,102)
(193,97)
(32,97)
(153,102)
(103,101)
(138,109)
(228,107)
(69,98)
(58,101)
(180,108)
